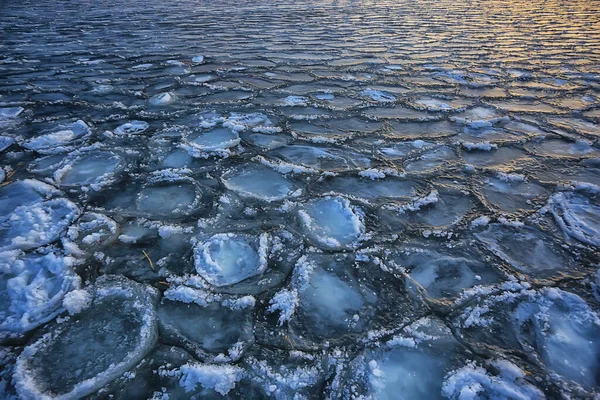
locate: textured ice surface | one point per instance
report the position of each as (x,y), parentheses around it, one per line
(332,223)
(303,184)
(33,288)
(58,141)
(525,248)
(30,219)
(227,258)
(259,182)
(90,168)
(202,325)
(78,356)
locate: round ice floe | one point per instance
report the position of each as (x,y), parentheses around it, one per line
(525,248)
(444,272)
(218,141)
(36,224)
(206,325)
(132,128)
(228,258)
(577,215)
(511,194)
(60,141)
(95,168)
(370,190)
(379,96)
(430,160)
(33,287)
(169,198)
(259,182)
(80,355)
(323,158)
(161,99)
(563,148)
(331,223)
(565,331)
(410,366)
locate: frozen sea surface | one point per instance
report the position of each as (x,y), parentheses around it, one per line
(300,200)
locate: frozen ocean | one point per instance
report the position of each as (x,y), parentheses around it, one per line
(269,199)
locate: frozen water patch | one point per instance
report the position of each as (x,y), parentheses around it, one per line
(95,168)
(410,366)
(80,355)
(563,329)
(562,148)
(33,288)
(227,258)
(369,190)
(132,128)
(214,142)
(169,197)
(378,96)
(162,99)
(332,223)
(60,141)
(212,329)
(259,182)
(511,195)
(93,230)
(5,142)
(525,248)
(323,158)
(474,382)
(479,117)
(444,272)
(430,160)
(577,215)
(36,224)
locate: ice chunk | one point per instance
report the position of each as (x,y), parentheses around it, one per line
(511,195)
(214,141)
(132,128)
(329,159)
(430,160)
(479,117)
(10,112)
(525,248)
(169,198)
(577,215)
(59,141)
(411,366)
(389,188)
(563,148)
(258,182)
(565,331)
(228,258)
(198,59)
(444,272)
(332,223)
(5,142)
(36,224)
(93,230)
(80,355)
(24,193)
(474,382)
(33,287)
(206,328)
(95,168)
(161,99)
(379,96)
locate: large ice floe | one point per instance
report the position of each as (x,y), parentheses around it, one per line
(332,223)
(299,200)
(105,339)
